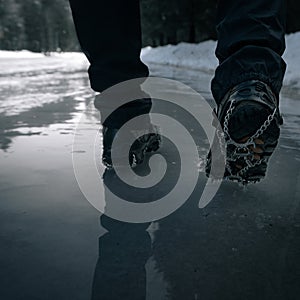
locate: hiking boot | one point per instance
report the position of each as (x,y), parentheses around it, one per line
(147,140)
(250,119)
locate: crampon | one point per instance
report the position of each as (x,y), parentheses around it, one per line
(250,120)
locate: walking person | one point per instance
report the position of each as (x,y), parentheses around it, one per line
(246,84)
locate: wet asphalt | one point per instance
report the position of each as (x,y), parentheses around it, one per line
(245,244)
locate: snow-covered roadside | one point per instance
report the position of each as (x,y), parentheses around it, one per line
(13,63)
(196,56)
(29,54)
(201,56)
(292,58)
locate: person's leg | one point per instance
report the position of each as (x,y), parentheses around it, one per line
(109,33)
(247,83)
(250,44)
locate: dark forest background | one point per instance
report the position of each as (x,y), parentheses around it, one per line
(46,25)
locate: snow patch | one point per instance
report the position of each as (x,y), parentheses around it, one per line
(202,56)
(292,58)
(29,54)
(195,56)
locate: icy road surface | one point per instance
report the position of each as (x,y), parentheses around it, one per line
(243,245)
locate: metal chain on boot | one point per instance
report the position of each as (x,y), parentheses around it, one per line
(242,151)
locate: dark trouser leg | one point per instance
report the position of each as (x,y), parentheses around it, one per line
(250,44)
(109,33)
